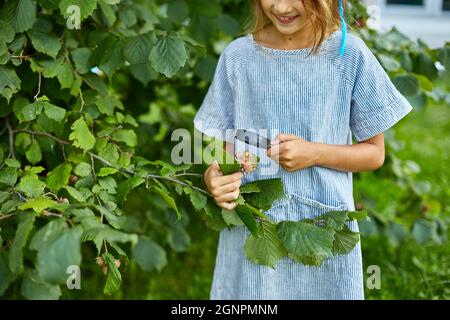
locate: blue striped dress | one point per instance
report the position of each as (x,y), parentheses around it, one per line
(324,98)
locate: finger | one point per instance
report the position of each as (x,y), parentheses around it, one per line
(224,180)
(229,205)
(231,187)
(286,137)
(274,150)
(230,196)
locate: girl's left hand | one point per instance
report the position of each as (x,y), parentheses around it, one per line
(292,152)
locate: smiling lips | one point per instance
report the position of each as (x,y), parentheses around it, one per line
(285,20)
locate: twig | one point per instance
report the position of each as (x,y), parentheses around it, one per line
(82,101)
(42,133)
(7,216)
(11,139)
(107,163)
(39,87)
(52,214)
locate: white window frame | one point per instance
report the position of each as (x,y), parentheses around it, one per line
(430,7)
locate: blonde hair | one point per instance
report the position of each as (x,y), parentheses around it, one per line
(323,14)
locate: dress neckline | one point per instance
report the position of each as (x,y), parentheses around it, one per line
(301,52)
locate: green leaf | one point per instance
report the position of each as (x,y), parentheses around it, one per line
(249,188)
(114,278)
(106,172)
(83,138)
(87,7)
(26,221)
(178,238)
(273,190)
(38,204)
(20,14)
(137,49)
(168,199)
(231,218)
(34,288)
(8,176)
(9,83)
(34,154)
(425,231)
(423,64)
(177,11)
(168,55)
(43,40)
(31,185)
(7,276)
(59,177)
(83,169)
(334,219)
(306,243)
(54,112)
(127,136)
(81,58)
(149,255)
(62,251)
(77,195)
(246,215)
(65,76)
(46,235)
(126,186)
(267,249)
(345,240)
(198,199)
(406,84)
(7,34)
(108,56)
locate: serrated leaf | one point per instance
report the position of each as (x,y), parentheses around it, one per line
(81,135)
(20,14)
(114,278)
(8,176)
(34,288)
(54,112)
(108,56)
(334,219)
(62,252)
(59,177)
(345,240)
(37,204)
(26,221)
(273,190)
(34,154)
(43,40)
(168,55)
(83,169)
(31,185)
(137,49)
(81,58)
(178,238)
(305,242)
(246,215)
(198,200)
(267,249)
(9,83)
(86,7)
(149,255)
(168,199)
(231,218)
(127,136)
(77,195)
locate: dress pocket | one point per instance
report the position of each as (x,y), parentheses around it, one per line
(293,207)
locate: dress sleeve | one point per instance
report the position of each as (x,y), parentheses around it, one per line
(216,113)
(376,103)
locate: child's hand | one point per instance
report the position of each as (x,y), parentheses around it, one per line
(248,160)
(292,152)
(224,188)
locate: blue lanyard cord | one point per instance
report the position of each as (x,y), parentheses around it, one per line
(344,28)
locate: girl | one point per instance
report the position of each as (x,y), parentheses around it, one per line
(311,86)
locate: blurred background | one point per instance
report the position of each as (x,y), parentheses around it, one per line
(407,199)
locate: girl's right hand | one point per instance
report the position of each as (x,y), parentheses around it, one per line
(225,189)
